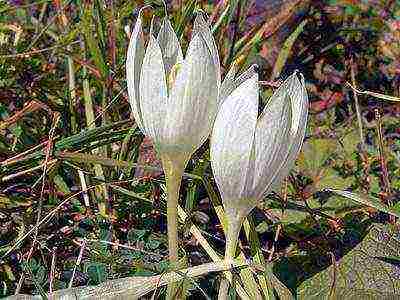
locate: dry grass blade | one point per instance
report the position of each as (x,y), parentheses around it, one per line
(357,104)
(210,251)
(29,108)
(134,287)
(48,153)
(268,29)
(374,94)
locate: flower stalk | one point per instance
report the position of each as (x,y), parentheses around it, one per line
(173,171)
(174,99)
(234,225)
(250,155)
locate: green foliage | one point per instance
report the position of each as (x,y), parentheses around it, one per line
(366,272)
(326,245)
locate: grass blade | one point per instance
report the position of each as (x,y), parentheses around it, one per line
(369,201)
(286,50)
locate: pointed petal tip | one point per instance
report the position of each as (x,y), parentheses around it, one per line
(169,43)
(200,16)
(298,75)
(254,67)
(201,26)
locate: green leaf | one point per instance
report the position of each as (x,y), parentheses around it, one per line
(92,43)
(362,273)
(286,50)
(184,18)
(97,272)
(153,244)
(369,201)
(315,154)
(135,235)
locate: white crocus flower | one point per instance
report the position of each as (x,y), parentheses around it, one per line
(249,155)
(174,99)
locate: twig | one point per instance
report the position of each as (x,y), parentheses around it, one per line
(279,228)
(137,286)
(46,219)
(15,158)
(52,270)
(334,276)
(385,174)
(374,94)
(32,106)
(357,105)
(30,170)
(29,53)
(106,108)
(48,151)
(77,263)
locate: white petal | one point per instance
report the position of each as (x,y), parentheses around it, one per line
(153,91)
(232,140)
(227,85)
(193,100)
(271,140)
(134,62)
(201,26)
(231,82)
(246,75)
(299,105)
(169,44)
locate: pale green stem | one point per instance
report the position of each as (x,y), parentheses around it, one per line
(173,177)
(234,221)
(173,182)
(173,170)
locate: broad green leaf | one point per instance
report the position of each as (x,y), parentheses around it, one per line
(296,212)
(362,273)
(315,154)
(368,200)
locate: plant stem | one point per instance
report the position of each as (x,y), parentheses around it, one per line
(173,182)
(234,221)
(173,170)
(357,105)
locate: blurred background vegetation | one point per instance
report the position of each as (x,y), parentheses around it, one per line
(71,194)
